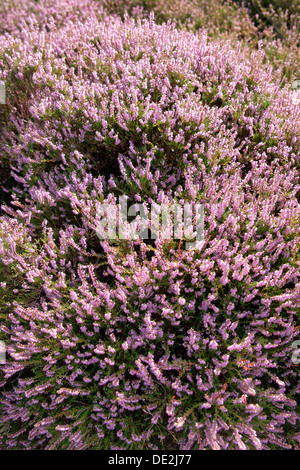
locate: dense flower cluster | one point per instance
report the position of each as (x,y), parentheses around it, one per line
(141,344)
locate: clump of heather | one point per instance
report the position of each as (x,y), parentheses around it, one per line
(45,15)
(251,23)
(273,26)
(143,344)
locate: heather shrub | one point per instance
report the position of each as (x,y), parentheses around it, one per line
(44,15)
(263,10)
(273,26)
(255,23)
(278,26)
(142,344)
(217,17)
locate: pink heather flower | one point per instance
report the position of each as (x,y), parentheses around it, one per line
(213,344)
(179,422)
